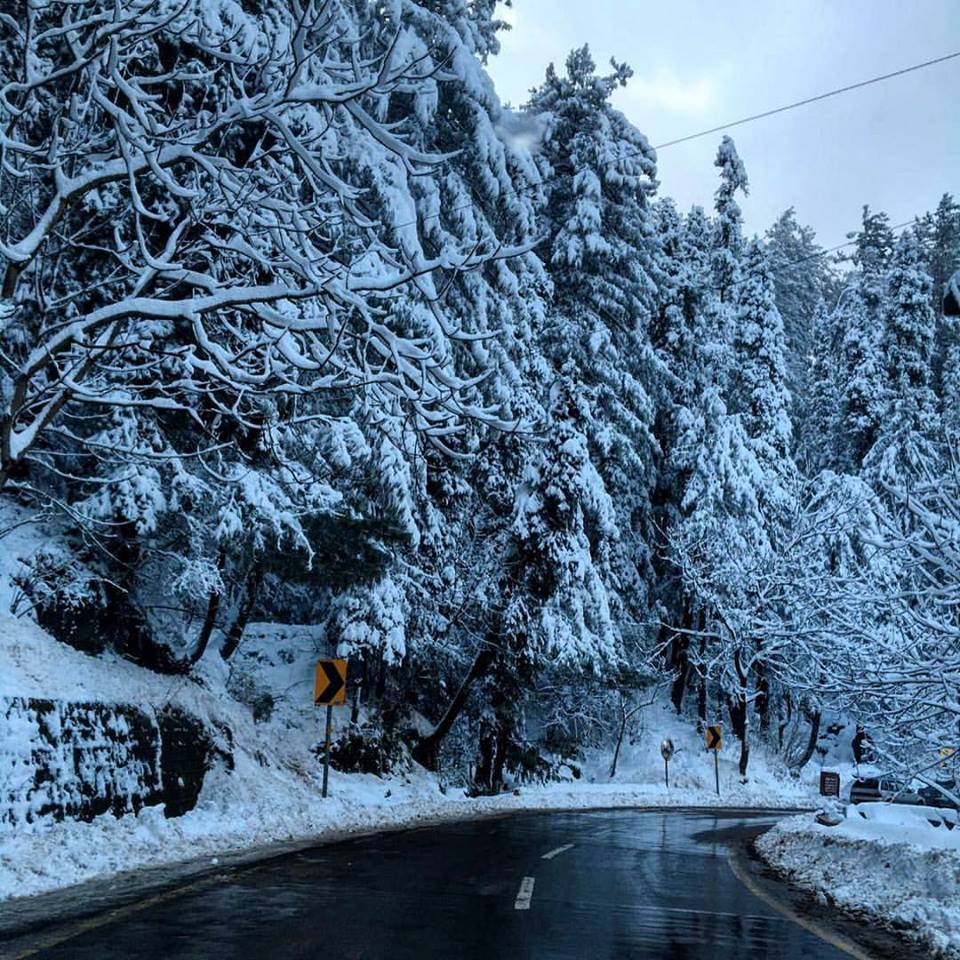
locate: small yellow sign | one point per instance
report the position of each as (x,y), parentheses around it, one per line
(330,684)
(714,737)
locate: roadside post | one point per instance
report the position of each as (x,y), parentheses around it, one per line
(329,690)
(714,737)
(666,751)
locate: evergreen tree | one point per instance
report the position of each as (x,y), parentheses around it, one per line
(906,438)
(939,235)
(760,391)
(820,443)
(728,225)
(599,251)
(860,316)
(802,278)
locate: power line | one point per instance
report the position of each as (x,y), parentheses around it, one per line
(789,265)
(626,154)
(803,103)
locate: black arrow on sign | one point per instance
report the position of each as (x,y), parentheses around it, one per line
(713,738)
(335,683)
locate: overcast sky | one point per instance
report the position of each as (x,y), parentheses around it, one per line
(700,63)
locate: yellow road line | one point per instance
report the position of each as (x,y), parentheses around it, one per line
(837,940)
(74,930)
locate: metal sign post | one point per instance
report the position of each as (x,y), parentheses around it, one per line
(329,690)
(714,735)
(328,736)
(666,751)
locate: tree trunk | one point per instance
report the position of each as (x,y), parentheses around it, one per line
(381,679)
(426,750)
(680,661)
(360,688)
(788,703)
(702,689)
(741,717)
(745,749)
(814,718)
(245,611)
(494,746)
(763,703)
(623,730)
(857,744)
(210,620)
(485,751)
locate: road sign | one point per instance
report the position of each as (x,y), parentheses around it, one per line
(329,690)
(330,685)
(714,737)
(829,783)
(666,751)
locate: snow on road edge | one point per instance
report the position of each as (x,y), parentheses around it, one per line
(869,871)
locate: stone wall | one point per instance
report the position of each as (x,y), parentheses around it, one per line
(80,760)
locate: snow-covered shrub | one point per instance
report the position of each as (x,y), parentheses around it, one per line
(372,747)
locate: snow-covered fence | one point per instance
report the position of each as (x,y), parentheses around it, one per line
(74,760)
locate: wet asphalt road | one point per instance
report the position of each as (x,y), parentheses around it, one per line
(627,884)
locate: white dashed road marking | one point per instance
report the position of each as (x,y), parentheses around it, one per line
(524,894)
(558,851)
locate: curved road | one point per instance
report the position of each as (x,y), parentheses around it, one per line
(604,885)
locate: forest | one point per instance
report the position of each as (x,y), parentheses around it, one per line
(300,324)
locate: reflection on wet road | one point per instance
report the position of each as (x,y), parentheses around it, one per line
(618,885)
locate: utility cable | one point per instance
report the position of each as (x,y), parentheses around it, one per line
(808,100)
(627,154)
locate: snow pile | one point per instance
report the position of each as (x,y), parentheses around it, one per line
(273,793)
(884,861)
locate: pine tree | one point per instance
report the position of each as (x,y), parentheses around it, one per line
(906,438)
(728,239)
(860,317)
(802,278)
(599,251)
(820,443)
(759,384)
(939,235)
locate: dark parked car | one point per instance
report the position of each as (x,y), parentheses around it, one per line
(932,797)
(888,789)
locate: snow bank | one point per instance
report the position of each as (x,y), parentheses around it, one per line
(883,861)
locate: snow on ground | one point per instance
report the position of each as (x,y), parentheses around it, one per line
(885,861)
(273,794)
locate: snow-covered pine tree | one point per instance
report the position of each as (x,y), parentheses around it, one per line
(859,316)
(721,533)
(689,341)
(759,385)
(906,441)
(939,234)
(728,222)
(574,558)
(819,440)
(600,175)
(802,278)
